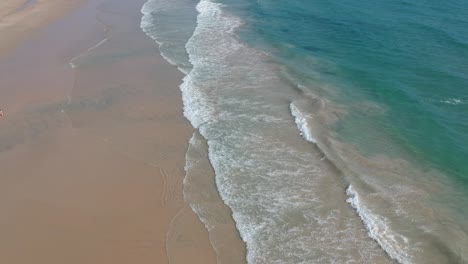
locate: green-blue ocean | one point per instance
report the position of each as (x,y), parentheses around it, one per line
(337,130)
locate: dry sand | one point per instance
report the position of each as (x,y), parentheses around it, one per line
(20,18)
(91,158)
(8,7)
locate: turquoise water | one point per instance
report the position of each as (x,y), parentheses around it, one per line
(337,130)
(411,57)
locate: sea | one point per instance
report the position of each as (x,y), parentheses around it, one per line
(337,130)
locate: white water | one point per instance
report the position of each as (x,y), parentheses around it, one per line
(302,124)
(395,245)
(276,186)
(170,23)
(287,201)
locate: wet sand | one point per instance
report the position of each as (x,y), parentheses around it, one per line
(92,157)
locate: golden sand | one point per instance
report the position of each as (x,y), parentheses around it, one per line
(16,26)
(91,158)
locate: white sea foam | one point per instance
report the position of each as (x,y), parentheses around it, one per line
(452,101)
(302,124)
(277,188)
(378,226)
(272,186)
(170,23)
(200,102)
(380,230)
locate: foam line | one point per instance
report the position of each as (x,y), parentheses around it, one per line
(379,229)
(302,125)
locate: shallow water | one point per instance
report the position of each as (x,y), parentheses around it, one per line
(336,131)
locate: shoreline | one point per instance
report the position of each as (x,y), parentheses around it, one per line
(93,156)
(200,189)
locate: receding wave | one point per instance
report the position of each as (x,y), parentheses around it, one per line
(201,194)
(170,23)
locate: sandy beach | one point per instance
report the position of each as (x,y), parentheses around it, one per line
(91,156)
(20,18)
(233,132)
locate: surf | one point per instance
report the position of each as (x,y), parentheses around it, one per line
(256,110)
